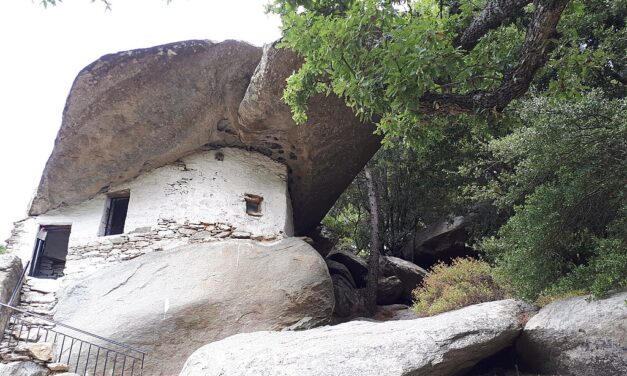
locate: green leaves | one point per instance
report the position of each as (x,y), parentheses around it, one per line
(566,174)
(377,55)
(466,281)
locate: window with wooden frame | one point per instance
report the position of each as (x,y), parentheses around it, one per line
(253,204)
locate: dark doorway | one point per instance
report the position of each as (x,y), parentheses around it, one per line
(50,252)
(116,215)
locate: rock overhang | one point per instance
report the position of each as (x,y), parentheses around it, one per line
(134,111)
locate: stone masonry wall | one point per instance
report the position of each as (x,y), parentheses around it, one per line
(89,256)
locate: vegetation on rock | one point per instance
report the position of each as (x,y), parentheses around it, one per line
(447,287)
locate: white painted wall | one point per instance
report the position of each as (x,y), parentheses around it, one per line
(200,188)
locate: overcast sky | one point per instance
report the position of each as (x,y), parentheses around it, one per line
(42,50)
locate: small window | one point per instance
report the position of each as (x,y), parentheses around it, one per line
(253,204)
(115,215)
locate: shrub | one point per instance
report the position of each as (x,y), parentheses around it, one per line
(466,281)
(566,183)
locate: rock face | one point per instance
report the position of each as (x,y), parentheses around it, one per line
(324,154)
(389,290)
(199,95)
(355,264)
(10,271)
(446,344)
(23,369)
(410,274)
(577,337)
(171,303)
(441,241)
(348,301)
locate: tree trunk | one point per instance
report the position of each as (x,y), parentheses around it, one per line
(373,259)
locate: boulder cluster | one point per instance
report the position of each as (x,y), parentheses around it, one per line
(571,337)
(348,272)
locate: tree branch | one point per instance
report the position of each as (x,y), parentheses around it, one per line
(534,53)
(495,13)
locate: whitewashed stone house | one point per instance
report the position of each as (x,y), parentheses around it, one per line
(183,143)
(209,195)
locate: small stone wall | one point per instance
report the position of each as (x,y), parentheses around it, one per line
(16,234)
(88,256)
(51,268)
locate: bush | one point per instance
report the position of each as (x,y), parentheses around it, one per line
(566,183)
(466,281)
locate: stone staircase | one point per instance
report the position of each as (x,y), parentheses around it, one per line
(32,335)
(37,296)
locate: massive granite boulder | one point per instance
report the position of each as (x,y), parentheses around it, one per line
(171,303)
(357,265)
(348,299)
(446,344)
(389,290)
(324,154)
(137,110)
(577,337)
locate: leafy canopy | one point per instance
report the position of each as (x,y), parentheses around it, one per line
(381,56)
(423,70)
(401,62)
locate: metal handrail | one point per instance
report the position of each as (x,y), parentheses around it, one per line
(56,323)
(18,286)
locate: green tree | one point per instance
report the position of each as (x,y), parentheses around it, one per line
(402,62)
(411,66)
(564,172)
(417,185)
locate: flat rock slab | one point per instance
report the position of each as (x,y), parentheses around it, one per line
(577,337)
(446,344)
(42,285)
(170,303)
